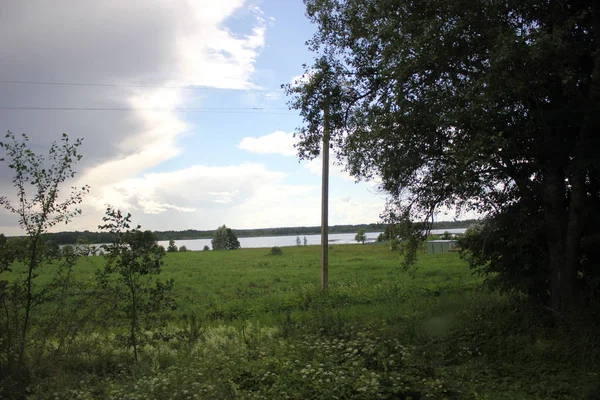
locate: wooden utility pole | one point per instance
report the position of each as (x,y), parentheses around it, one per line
(325,201)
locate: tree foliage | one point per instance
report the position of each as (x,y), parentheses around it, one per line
(361,236)
(39,204)
(482,105)
(135,257)
(225,239)
(172,247)
(7,255)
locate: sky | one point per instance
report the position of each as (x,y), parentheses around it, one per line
(199,134)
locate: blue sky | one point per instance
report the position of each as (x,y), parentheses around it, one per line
(171,169)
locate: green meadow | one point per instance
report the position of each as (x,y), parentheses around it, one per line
(253,284)
(251,325)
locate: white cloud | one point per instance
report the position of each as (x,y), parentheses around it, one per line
(278,142)
(210,55)
(158,43)
(135,42)
(282,143)
(201,197)
(190,188)
(336,170)
(345,210)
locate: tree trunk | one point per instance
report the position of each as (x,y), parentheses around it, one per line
(9,352)
(578,208)
(565,224)
(554,207)
(28,299)
(569,298)
(325,202)
(134,323)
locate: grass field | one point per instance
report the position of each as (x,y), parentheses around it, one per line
(251,325)
(252,283)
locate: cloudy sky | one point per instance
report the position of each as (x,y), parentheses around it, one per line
(198,133)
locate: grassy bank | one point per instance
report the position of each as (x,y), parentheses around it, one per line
(250,325)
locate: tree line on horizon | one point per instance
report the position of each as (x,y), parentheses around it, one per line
(74,237)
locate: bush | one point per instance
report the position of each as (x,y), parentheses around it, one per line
(276,251)
(446,235)
(172,247)
(68,250)
(361,236)
(225,239)
(136,259)
(206,248)
(183,248)
(519,263)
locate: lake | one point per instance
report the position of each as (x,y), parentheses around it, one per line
(283,241)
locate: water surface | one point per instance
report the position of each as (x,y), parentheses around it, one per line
(283,241)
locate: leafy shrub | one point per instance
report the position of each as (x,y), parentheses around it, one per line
(68,250)
(183,248)
(254,363)
(135,257)
(224,238)
(276,251)
(361,236)
(206,248)
(510,251)
(446,236)
(172,247)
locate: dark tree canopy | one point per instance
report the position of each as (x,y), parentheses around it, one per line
(483,105)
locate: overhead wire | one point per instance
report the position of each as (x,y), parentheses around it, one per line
(117,85)
(217,110)
(249,110)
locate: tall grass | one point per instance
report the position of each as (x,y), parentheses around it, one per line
(252,326)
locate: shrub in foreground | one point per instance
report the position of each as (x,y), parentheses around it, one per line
(276,251)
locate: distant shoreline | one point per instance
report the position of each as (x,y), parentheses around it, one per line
(103,237)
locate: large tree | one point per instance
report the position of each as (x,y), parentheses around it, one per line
(224,238)
(486,105)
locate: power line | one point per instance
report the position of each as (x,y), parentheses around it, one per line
(139,108)
(114,85)
(241,110)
